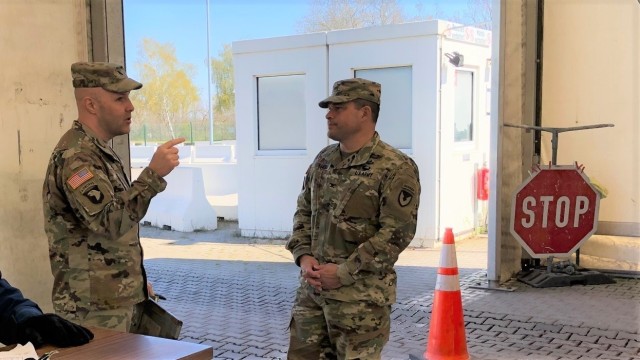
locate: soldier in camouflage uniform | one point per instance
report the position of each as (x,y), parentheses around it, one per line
(357,211)
(92,210)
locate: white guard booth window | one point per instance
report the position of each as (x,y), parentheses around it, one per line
(281,106)
(463,117)
(396,99)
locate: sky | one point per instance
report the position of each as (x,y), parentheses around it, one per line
(183,23)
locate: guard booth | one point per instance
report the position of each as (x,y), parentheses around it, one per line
(435,107)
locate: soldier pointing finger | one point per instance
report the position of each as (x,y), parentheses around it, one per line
(92,209)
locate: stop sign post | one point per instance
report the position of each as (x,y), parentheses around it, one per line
(554,211)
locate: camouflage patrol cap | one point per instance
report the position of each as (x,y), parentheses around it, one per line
(351,89)
(108,76)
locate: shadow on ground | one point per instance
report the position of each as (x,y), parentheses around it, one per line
(226,233)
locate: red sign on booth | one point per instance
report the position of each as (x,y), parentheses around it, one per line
(554,211)
(482,184)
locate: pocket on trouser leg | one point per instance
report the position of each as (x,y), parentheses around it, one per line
(308,325)
(308,331)
(359,330)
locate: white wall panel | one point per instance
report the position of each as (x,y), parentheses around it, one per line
(269,181)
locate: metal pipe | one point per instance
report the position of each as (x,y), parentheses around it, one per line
(210,109)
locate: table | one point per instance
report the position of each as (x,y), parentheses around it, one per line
(109,344)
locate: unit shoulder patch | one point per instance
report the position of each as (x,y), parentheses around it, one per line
(93,196)
(405,196)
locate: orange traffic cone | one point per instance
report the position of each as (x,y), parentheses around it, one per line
(447,340)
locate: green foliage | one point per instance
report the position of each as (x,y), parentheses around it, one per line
(168,96)
(222,69)
(224,100)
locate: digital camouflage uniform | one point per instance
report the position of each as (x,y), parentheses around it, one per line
(358,213)
(91,213)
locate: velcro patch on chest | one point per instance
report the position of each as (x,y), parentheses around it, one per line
(79,178)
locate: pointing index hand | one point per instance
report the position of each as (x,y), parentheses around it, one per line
(173,142)
(166,157)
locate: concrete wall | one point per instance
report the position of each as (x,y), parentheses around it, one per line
(37,104)
(592,75)
(271,179)
(513,84)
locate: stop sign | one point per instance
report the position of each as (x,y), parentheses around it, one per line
(554,211)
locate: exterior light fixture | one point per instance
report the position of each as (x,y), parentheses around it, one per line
(456,58)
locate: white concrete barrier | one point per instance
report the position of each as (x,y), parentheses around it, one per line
(185,153)
(220,177)
(207,153)
(142,153)
(183,205)
(221,187)
(226,206)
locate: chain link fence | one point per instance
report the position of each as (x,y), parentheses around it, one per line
(193,131)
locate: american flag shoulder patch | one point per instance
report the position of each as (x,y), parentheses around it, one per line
(79,178)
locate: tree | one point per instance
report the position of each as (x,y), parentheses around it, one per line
(168,96)
(222,69)
(325,15)
(224,100)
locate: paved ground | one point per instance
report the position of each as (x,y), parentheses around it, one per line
(235,294)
